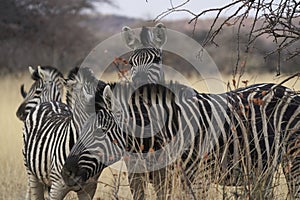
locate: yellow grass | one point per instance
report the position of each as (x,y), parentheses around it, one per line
(12,172)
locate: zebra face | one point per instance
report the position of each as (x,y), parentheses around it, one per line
(94,150)
(48,86)
(146,65)
(81,87)
(73,176)
(97,146)
(146,58)
(31,100)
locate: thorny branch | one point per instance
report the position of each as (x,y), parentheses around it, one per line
(275,19)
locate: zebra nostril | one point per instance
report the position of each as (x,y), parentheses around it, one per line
(68,176)
(69,173)
(70,170)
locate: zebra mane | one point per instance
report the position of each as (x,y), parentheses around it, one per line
(173,87)
(99,99)
(52,71)
(146,37)
(73,72)
(83,74)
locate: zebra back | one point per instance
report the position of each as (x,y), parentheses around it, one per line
(146,58)
(103,122)
(48,86)
(121,106)
(244,130)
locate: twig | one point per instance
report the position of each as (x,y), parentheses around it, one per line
(278,20)
(187,182)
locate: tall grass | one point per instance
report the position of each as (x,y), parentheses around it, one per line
(12,171)
(112,183)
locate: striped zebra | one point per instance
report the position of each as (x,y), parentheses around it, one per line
(250,130)
(48,86)
(50,131)
(146,59)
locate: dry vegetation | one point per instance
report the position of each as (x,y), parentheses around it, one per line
(12,172)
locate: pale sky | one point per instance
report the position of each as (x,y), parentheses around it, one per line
(150,9)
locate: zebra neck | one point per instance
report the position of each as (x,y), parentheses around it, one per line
(81,110)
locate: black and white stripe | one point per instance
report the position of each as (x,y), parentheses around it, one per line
(50,131)
(48,86)
(146,58)
(249,130)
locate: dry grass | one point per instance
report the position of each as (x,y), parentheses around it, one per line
(12,172)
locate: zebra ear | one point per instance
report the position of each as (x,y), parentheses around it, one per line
(129,37)
(109,99)
(146,37)
(31,70)
(159,35)
(63,81)
(89,97)
(189,93)
(34,73)
(23,92)
(41,72)
(69,84)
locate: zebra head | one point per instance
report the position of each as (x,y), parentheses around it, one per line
(81,86)
(48,86)
(99,144)
(146,59)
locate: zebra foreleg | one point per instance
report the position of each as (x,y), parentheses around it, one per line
(58,191)
(291,169)
(160,183)
(137,183)
(35,188)
(28,191)
(263,186)
(292,174)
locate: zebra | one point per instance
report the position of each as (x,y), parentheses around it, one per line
(48,86)
(250,130)
(50,131)
(146,59)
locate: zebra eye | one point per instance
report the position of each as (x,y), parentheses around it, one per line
(130,62)
(133,72)
(157,60)
(38,92)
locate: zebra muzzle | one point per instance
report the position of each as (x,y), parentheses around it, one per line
(72,174)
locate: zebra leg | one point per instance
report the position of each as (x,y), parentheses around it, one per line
(263,186)
(267,187)
(137,179)
(160,183)
(35,188)
(198,181)
(58,191)
(291,169)
(137,183)
(28,192)
(292,174)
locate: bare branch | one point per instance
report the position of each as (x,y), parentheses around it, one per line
(277,20)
